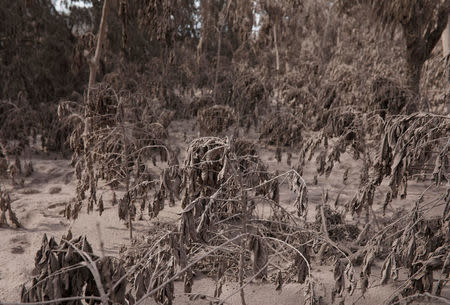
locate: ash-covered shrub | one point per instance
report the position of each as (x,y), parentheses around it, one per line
(282,129)
(215,120)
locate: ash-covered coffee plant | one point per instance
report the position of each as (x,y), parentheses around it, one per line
(117,137)
(233,227)
(399,148)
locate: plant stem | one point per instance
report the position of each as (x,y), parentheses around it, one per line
(243,242)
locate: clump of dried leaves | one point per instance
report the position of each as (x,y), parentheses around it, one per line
(408,143)
(215,120)
(281,129)
(250,95)
(70,269)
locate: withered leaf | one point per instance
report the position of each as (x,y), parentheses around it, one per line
(139,285)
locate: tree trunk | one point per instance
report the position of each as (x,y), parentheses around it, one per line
(93,62)
(446,40)
(219,45)
(209,18)
(88,116)
(277,55)
(446,48)
(413,70)
(413,78)
(420,41)
(416,54)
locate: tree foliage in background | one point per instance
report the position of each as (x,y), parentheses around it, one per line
(35,54)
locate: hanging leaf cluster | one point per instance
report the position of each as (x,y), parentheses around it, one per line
(62,272)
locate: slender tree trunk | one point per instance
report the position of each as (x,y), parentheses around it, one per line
(245,217)
(93,66)
(94,61)
(125,146)
(216,79)
(277,55)
(207,10)
(446,48)
(199,49)
(219,45)
(123,14)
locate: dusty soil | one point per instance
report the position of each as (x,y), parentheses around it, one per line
(40,202)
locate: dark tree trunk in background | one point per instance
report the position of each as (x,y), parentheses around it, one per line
(420,42)
(416,54)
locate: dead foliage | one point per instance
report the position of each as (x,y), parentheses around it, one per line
(337,89)
(70,269)
(154,261)
(18,131)
(250,95)
(389,97)
(282,129)
(338,229)
(215,120)
(16,121)
(42,76)
(5,208)
(406,147)
(208,166)
(422,248)
(349,133)
(199,103)
(118,137)
(223,182)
